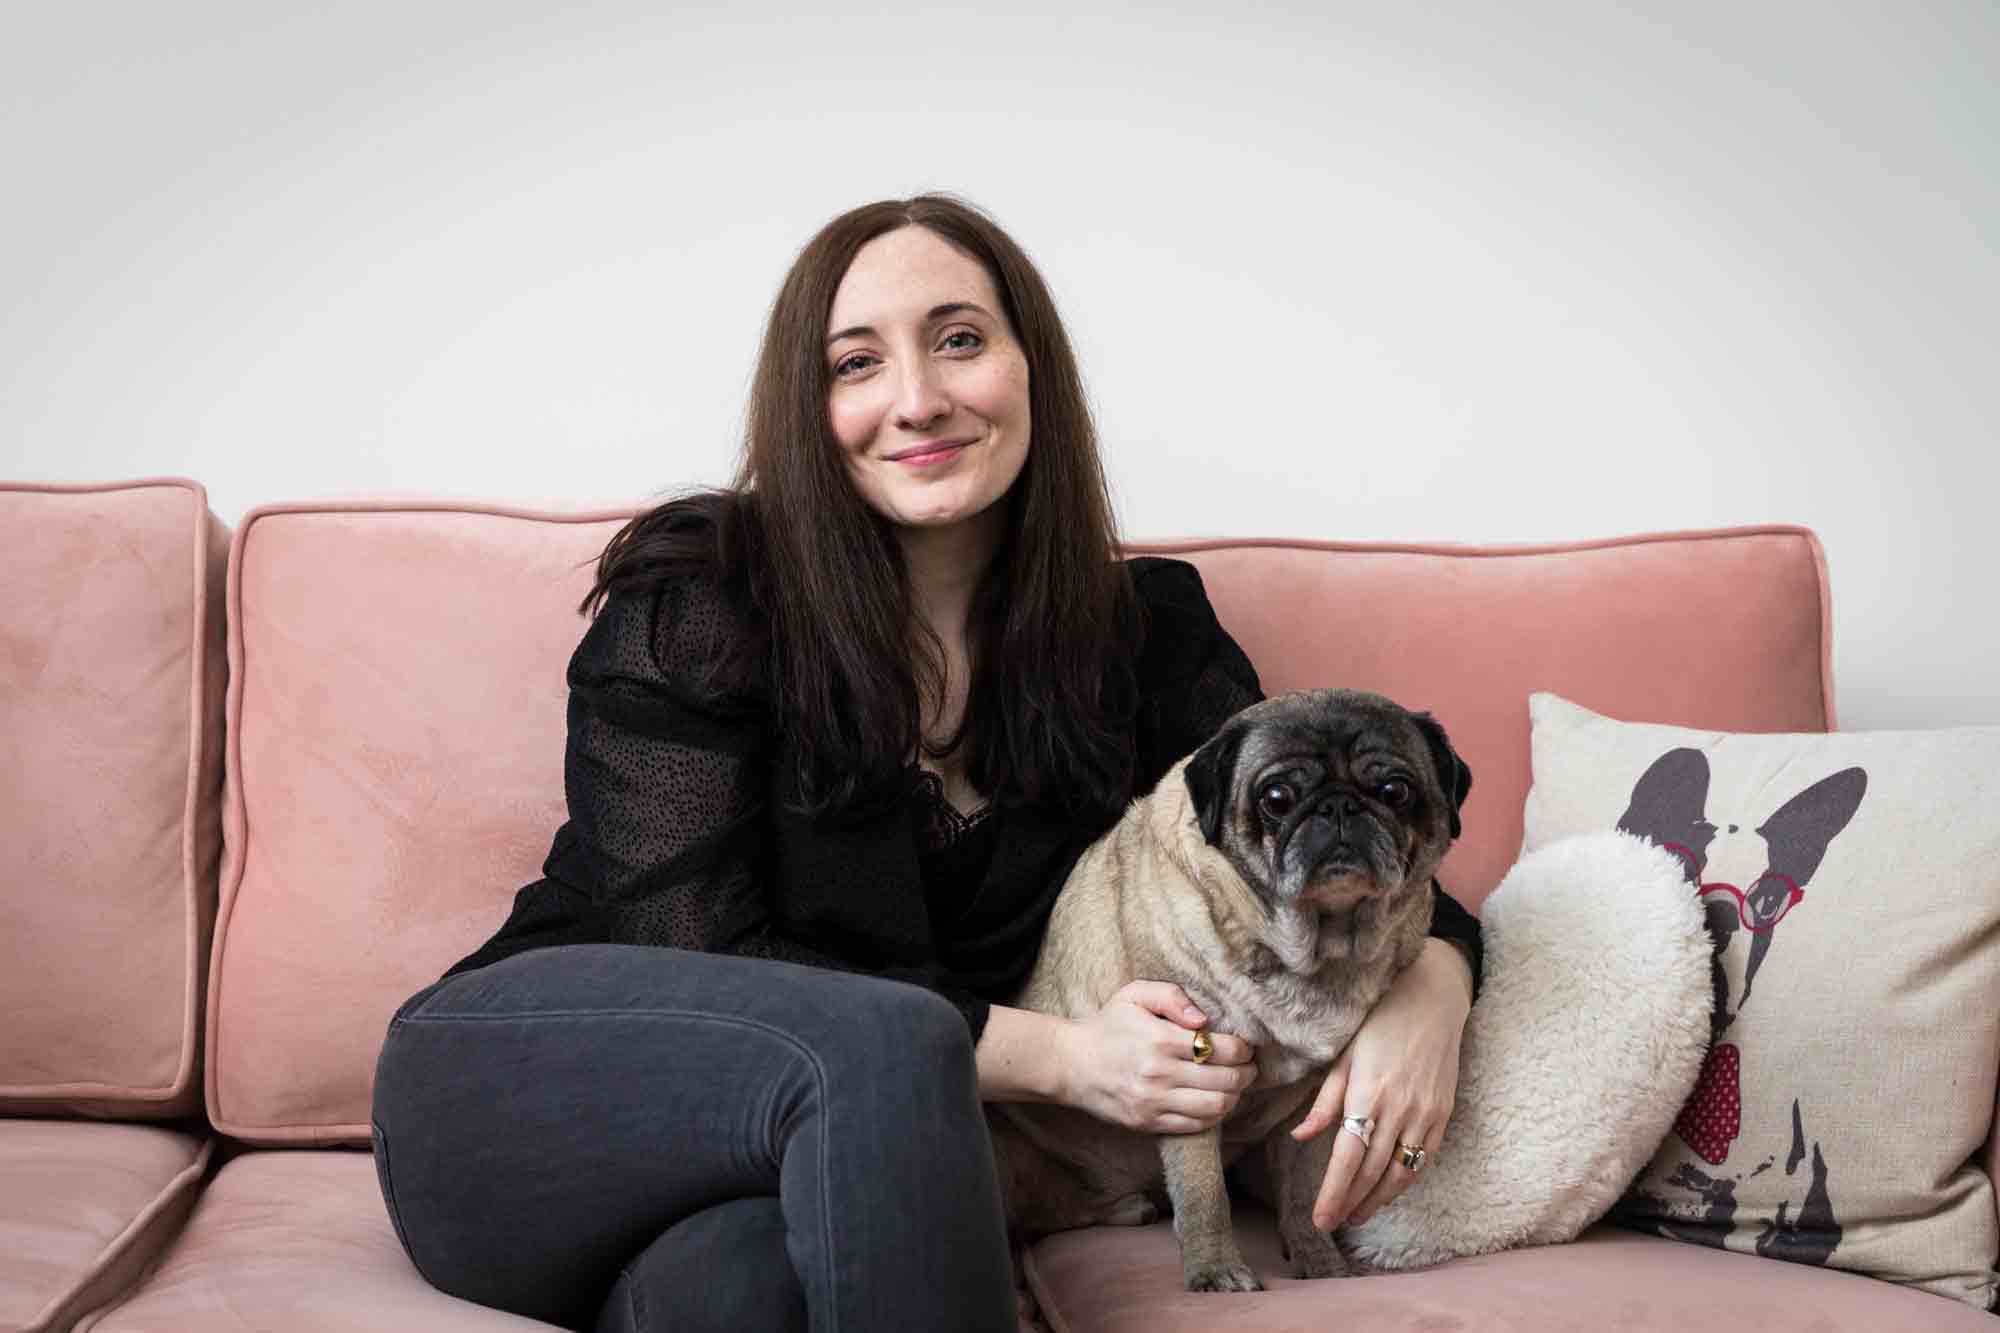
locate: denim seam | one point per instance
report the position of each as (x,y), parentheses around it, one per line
(640,1323)
(389,1198)
(832,1265)
(417,1001)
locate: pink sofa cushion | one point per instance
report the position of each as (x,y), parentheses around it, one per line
(1727,630)
(298,1241)
(84,1208)
(110,783)
(1127,1280)
(396,713)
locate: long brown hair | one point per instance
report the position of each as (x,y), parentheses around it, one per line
(1049,715)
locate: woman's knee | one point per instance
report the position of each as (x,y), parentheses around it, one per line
(400,1073)
(910,1028)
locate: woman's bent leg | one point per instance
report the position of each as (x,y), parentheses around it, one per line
(544,1120)
(725,1267)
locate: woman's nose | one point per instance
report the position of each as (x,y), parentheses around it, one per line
(920,397)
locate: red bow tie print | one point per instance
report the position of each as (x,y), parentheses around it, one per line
(1713,1116)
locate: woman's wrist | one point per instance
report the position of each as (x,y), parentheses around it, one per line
(1023,1056)
(1445,962)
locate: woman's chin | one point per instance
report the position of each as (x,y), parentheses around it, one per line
(929,524)
(936,513)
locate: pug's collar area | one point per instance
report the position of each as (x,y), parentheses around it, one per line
(1306,937)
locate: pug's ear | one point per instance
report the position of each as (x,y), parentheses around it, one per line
(1453,774)
(1210,774)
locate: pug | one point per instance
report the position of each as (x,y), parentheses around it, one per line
(1281,875)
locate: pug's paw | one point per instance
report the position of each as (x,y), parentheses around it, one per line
(1310,1251)
(1223,1277)
(1315,1255)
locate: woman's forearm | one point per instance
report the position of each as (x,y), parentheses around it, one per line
(1021,1056)
(1443,960)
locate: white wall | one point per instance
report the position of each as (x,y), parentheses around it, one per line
(1474,273)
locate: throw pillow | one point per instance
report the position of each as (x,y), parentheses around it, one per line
(1589,1031)
(1851,883)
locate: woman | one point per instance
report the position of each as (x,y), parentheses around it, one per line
(859,712)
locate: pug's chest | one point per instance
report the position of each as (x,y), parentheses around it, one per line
(1297,1027)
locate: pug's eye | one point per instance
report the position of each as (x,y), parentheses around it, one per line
(1395,793)
(1277,799)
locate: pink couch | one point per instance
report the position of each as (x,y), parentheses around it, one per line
(187,1147)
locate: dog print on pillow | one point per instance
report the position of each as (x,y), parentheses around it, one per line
(1751,880)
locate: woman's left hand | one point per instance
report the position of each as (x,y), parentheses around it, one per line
(1401,1071)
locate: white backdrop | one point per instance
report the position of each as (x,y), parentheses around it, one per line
(1476,273)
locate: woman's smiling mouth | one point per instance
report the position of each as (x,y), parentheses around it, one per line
(931,452)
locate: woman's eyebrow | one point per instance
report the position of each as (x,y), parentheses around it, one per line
(937,312)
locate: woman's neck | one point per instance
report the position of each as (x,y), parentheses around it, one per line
(944,567)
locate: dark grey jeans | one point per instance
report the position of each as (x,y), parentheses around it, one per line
(640,1138)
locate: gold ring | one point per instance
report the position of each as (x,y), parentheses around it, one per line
(1203,1047)
(1412,1156)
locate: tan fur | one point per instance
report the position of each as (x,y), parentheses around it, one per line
(1152,899)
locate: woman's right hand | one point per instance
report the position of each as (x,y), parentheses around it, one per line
(1132,1063)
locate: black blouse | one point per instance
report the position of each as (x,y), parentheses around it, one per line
(683,830)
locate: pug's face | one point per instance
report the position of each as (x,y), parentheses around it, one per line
(1333,798)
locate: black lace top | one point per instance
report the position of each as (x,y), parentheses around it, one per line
(684,829)
(953,848)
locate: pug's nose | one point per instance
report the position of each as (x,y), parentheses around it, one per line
(1340,803)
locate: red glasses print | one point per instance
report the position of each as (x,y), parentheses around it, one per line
(1764,906)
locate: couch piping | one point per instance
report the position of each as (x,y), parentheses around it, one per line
(178,1193)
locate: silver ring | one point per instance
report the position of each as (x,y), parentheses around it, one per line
(1360,1126)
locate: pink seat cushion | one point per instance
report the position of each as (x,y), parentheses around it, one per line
(1128,1280)
(396,743)
(84,1207)
(1727,630)
(110,783)
(298,1241)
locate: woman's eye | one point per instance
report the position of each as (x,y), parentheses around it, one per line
(1277,799)
(852,365)
(962,340)
(1395,793)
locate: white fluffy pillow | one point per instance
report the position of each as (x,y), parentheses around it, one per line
(1589,1032)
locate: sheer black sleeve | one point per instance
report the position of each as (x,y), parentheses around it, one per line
(1194,677)
(665,777)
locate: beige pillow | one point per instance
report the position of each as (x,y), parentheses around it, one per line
(1852,886)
